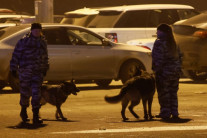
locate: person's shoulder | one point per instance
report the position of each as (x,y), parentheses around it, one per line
(25,37)
(158,42)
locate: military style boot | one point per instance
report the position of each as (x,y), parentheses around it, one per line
(23,115)
(36,117)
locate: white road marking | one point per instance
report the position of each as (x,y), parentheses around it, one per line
(139,129)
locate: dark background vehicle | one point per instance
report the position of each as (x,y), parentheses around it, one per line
(191,36)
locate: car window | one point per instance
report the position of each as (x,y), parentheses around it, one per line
(56,36)
(133,19)
(11,30)
(186,13)
(78,20)
(105,19)
(157,17)
(82,37)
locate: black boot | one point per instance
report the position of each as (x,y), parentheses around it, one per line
(23,115)
(36,117)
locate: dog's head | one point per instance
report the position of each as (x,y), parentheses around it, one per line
(69,88)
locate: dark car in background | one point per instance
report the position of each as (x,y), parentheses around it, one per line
(191,36)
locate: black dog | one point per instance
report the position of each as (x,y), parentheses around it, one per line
(135,89)
(58,95)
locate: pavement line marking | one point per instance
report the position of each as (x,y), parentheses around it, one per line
(139,129)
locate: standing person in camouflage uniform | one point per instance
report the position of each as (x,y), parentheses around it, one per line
(166,63)
(30,60)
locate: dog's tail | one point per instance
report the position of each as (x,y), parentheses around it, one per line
(117,98)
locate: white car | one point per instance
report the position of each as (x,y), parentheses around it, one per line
(12,18)
(124,23)
(4,25)
(77,53)
(146,43)
(81,17)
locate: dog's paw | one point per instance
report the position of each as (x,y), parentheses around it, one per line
(125,119)
(151,117)
(64,119)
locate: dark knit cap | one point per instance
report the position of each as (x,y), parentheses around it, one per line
(164,28)
(36,26)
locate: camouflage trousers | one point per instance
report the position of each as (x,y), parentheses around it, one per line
(167,88)
(30,85)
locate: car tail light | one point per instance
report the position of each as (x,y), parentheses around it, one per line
(201,34)
(112,37)
(144,47)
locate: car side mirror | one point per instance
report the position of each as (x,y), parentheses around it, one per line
(106,42)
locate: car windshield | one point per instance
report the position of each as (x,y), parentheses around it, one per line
(201,18)
(80,20)
(10,30)
(105,19)
(186,13)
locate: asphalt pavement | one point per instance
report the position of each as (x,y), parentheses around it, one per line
(89,116)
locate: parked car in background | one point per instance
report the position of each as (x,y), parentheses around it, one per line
(12,18)
(32,19)
(6,11)
(124,23)
(77,53)
(4,25)
(191,36)
(80,17)
(146,43)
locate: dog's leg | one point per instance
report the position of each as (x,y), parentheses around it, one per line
(134,103)
(125,102)
(150,107)
(60,112)
(57,115)
(144,102)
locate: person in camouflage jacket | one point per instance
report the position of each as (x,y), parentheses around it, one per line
(166,63)
(30,60)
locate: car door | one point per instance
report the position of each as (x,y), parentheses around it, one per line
(91,60)
(59,53)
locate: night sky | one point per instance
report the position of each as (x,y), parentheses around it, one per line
(61,6)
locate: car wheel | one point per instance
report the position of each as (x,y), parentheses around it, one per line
(129,69)
(2,84)
(14,83)
(197,75)
(103,83)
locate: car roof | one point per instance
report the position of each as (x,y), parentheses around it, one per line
(147,7)
(24,26)
(14,29)
(7,24)
(6,11)
(83,11)
(14,16)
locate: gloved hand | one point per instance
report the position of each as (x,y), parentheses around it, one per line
(14,73)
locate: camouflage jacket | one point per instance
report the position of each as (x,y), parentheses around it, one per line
(162,61)
(31,53)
